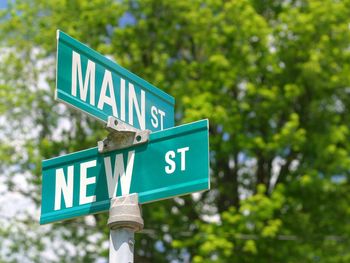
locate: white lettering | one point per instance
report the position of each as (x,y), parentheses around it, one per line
(154,119)
(122,99)
(183,151)
(169,169)
(134,104)
(170,155)
(64,187)
(107,82)
(119,171)
(89,77)
(162,114)
(85,181)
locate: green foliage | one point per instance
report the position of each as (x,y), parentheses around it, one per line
(273,79)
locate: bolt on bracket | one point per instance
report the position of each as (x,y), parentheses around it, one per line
(121,135)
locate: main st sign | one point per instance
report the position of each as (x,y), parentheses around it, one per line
(100,87)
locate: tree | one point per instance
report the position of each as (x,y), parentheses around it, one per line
(271,76)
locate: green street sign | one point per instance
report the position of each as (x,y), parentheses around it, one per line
(98,86)
(174,162)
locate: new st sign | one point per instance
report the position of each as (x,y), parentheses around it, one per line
(174,162)
(96,85)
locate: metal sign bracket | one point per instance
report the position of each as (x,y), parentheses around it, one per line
(121,135)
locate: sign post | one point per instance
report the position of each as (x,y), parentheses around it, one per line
(124,220)
(143,159)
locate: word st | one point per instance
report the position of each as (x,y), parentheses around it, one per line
(169,159)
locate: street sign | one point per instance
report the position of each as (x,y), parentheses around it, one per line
(174,162)
(98,86)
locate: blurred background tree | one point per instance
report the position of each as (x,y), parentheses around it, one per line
(271,76)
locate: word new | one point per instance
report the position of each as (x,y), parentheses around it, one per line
(64,185)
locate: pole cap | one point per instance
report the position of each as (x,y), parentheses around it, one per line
(125,211)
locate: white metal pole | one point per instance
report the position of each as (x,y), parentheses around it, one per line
(124,220)
(121,247)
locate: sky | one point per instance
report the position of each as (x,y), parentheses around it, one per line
(3,4)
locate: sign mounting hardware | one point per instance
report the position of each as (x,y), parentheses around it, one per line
(121,135)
